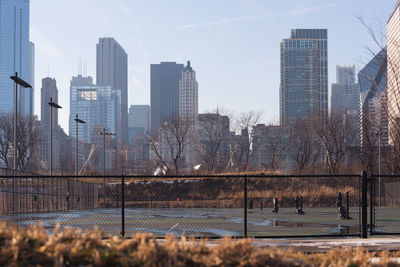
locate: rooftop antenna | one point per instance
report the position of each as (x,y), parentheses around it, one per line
(48,69)
(79,66)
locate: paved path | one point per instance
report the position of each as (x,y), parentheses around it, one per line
(321,245)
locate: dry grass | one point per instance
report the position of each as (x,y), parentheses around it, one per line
(33,247)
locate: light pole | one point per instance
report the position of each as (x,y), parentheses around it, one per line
(20,82)
(52,105)
(77,121)
(104,133)
(379,166)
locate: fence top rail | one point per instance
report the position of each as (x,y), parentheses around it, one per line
(386,175)
(185,176)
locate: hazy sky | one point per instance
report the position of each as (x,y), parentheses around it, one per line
(233,44)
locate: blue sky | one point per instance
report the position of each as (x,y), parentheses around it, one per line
(233,44)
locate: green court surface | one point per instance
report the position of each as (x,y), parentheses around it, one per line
(213,222)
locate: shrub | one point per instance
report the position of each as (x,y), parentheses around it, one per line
(32,246)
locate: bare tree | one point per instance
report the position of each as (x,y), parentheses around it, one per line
(305,151)
(388,67)
(244,147)
(278,147)
(169,144)
(336,134)
(213,132)
(273,146)
(66,161)
(28,141)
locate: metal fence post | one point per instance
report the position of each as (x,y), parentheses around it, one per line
(372,204)
(123,205)
(364,205)
(347,205)
(245,206)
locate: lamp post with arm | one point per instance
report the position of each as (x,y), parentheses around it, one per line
(77,121)
(104,134)
(17,81)
(20,82)
(52,105)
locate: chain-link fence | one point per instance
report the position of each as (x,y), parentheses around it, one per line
(201,206)
(384,209)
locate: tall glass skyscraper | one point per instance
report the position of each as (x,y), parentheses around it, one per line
(14,54)
(112,70)
(304,75)
(373,83)
(164,87)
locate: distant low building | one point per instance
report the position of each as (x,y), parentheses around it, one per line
(138,154)
(271,147)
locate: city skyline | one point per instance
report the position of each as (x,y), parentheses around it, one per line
(250,63)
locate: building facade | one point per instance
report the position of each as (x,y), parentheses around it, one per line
(61,151)
(188,112)
(98,106)
(271,147)
(393,69)
(112,70)
(15,55)
(215,140)
(138,120)
(48,90)
(345,92)
(304,75)
(373,99)
(28,94)
(164,87)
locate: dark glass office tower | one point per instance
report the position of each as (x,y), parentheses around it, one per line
(164,92)
(49,89)
(304,75)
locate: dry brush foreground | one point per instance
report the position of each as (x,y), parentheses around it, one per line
(32,246)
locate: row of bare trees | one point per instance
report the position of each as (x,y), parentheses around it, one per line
(211,140)
(27,145)
(307,144)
